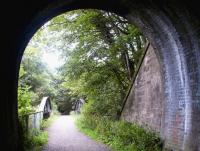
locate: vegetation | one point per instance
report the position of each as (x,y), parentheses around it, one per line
(120,135)
(36,141)
(24,100)
(33,85)
(47,122)
(101,52)
(34,80)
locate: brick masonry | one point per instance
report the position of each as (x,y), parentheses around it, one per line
(145,101)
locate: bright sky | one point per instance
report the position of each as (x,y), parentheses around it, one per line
(52,59)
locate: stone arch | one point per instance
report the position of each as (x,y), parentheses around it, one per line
(172,29)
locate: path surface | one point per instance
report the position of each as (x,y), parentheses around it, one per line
(64,136)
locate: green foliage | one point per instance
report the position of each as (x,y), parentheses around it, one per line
(35,74)
(64,100)
(102,51)
(24,100)
(36,141)
(34,83)
(47,122)
(119,135)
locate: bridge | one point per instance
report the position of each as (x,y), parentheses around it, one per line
(33,120)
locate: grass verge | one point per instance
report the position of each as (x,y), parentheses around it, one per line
(35,139)
(47,122)
(119,135)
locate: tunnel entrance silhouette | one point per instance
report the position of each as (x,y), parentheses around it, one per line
(171,27)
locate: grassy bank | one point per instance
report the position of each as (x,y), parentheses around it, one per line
(119,135)
(35,139)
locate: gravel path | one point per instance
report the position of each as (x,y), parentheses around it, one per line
(64,136)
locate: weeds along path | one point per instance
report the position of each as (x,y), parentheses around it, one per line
(64,136)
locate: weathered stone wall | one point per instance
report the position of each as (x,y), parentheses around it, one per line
(144,104)
(174,35)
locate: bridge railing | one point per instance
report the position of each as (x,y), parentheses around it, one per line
(31,120)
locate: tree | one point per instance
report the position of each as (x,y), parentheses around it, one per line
(34,80)
(102,51)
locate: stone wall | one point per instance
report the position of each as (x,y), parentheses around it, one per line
(144,104)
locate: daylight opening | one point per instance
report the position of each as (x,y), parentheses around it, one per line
(84,64)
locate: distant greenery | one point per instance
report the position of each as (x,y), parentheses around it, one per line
(34,80)
(34,83)
(101,52)
(100,67)
(33,77)
(119,135)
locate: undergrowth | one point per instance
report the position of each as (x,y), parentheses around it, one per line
(119,135)
(47,122)
(35,140)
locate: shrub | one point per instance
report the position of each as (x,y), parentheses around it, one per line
(35,140)
(120,135)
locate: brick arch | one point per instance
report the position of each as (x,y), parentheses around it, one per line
(173,33)
(172,29)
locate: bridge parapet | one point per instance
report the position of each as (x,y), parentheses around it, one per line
(33,120)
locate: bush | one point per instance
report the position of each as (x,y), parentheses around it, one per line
(119,135)
(35,140)
(24,100)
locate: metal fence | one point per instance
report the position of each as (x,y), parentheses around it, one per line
(31,121)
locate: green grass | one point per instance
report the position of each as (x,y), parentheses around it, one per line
(47,122)
(35,140)
(119,135)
